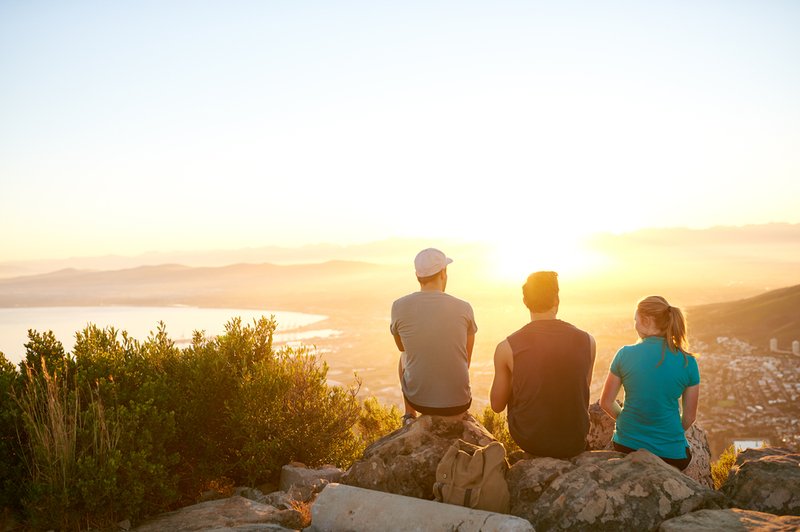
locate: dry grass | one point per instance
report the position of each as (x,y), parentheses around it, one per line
(54,421)
(51,416)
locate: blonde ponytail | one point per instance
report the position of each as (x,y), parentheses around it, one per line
(671,325)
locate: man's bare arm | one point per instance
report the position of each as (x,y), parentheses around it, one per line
(501,386)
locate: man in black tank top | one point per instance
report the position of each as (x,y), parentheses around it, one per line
(542,374)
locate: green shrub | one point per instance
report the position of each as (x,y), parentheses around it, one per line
(497,425)
(287,412)
(205,385)
(96,443)
(722,467)
(377,420)
(11,465)
(123,429)
(43,349)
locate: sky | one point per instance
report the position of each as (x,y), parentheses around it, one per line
(128,127)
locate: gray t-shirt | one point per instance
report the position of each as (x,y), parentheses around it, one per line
(434,327)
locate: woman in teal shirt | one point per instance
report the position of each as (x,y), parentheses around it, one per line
(659,376)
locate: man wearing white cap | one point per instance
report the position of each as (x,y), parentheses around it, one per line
(435,333)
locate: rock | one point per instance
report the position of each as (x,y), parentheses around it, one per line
(249,493)
(732,520)
(341,507)
(404,462)
(700,466)
(280,500)
(226,514)
(595,457)
(765,480)
(298,475)
(635,492)
(601,430)
(527,479)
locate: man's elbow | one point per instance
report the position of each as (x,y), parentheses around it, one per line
(497,404)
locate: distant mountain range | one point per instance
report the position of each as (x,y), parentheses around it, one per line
(691,267)
(304,287)
(774,314)
(388,251)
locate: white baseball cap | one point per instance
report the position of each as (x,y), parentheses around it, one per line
(430,261)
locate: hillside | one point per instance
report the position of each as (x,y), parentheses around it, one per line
(774,314)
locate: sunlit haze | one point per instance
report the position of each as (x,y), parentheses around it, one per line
(163,126)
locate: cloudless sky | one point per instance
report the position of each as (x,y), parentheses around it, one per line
(128,127)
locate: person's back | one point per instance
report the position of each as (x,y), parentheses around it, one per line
(434,326)
(548,411)
(542,374)
(662,385)
(435,333)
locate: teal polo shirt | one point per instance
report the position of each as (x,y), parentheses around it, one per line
(651,418)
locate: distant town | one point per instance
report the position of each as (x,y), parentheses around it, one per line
(749,396)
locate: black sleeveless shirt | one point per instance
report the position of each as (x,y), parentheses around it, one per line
(548,412)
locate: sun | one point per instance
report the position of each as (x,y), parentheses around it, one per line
(515,258)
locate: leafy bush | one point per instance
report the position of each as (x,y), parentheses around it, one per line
(11,466)
(498,426)
(287,412)
(96,444)
(722,467)
(123,429)
(377,420)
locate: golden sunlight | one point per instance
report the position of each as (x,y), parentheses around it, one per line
(515,258)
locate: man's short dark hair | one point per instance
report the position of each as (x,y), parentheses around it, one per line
(540,291)
(428,279)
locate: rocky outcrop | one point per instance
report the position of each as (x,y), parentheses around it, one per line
(404,462)
(732,520)
(601,429)
(226,514)
(765,480)
(605,490)
(596,490)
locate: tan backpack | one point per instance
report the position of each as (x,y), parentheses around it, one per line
(475,478)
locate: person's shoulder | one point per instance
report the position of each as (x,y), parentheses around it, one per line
(574,328)
(628,349)
(456,301)
(404,299)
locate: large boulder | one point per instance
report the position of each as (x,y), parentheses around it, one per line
(404,462)
(601,429)
(765,480)
(605,491)
(732,520)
